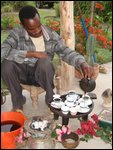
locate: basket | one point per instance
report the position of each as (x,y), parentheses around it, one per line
(70,140)
(37,133)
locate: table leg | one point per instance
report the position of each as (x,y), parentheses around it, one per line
(56,116)
(65,121)
(84,118)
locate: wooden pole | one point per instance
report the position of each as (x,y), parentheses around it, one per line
(67,33)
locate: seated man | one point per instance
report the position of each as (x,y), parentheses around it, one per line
(27,56)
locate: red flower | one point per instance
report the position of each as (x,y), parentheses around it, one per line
(96,22)
(92,132)
(99,31)
(85,127)
(17,21)
(109,43)
(99,6)
(95,118)
(83,131)
(89,122)
(78,131)
(89,126)
(95,125)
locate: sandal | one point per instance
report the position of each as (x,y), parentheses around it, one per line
(18,109)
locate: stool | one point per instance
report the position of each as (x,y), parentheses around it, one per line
(35,91)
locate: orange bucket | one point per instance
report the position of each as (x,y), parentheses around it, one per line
(8,137)
(8,141)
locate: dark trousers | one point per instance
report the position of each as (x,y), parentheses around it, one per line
(41,74)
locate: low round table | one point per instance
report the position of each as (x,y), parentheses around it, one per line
(65,118)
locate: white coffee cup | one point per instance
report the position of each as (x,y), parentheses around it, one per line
(85,97)
(72,96)
(65,109)
(56,96)
(73,111)
(57,100)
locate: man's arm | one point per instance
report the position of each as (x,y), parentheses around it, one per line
(33,54)
(72,57)
(9,49)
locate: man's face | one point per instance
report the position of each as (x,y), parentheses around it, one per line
(33,26)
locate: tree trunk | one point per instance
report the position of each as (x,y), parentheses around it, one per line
(67,33)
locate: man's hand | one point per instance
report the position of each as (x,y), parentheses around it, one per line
(87,70)
(36,54)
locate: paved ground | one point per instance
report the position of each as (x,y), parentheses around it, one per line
(103,82)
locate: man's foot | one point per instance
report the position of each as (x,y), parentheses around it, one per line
(20,109)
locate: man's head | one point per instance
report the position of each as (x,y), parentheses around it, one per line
(30,19)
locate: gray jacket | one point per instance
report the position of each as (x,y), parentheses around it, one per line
(18,42)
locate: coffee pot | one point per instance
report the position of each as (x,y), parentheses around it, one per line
(87,84)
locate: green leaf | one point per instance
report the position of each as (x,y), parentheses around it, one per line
(109,13)
(88,136)
(108,129)
(99,132)
(106,138)
(83,139)
(53,135)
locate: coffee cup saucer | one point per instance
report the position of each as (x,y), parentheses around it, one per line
(83,109)
(85,102)
(57,105)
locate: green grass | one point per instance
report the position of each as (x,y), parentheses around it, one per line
(46,14)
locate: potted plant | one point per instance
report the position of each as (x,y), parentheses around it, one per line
(90,57)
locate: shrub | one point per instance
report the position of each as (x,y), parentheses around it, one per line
(101,36)
(7,8)
(84,6)
(9,22)
(15,5)
(54,24)
(103,8)
(104,55)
